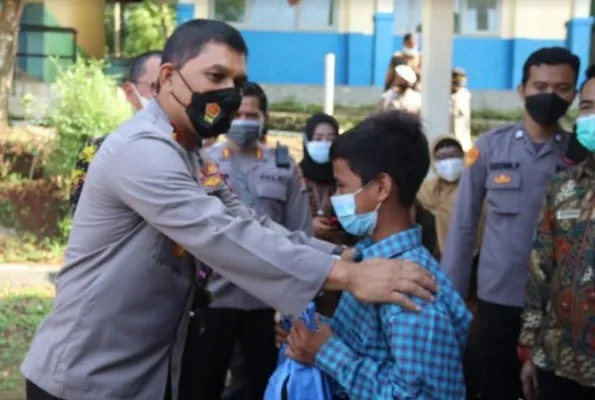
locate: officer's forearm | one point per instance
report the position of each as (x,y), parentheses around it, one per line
(340,276)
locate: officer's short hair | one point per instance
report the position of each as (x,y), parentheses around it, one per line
(189,38)
(138,66)
(252,89)
(551,56)
(589,74)
(391,142)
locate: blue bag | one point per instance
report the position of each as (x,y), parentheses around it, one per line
(293,380)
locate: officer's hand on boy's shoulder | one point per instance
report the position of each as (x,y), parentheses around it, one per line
(379,280)
(304,344)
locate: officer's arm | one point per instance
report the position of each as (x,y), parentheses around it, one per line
(262,262)
(541,268)
(462,233)
(298,215)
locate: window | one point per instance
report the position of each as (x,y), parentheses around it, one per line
(316,14)
(229,10)
(277,14)
(471,16)
(477,16)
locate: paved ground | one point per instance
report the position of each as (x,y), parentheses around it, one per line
(23,275)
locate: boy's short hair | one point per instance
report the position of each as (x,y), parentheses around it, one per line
(392,142)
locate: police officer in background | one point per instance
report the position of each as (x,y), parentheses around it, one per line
(510,166)
(138,89)
(268,181)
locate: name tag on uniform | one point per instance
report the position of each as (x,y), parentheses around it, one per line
(568,214)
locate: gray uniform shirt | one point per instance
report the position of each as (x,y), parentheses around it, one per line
(512,176)
(119,319)
(268,189)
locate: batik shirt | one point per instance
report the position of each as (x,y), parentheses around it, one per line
(384,351)
(559,315)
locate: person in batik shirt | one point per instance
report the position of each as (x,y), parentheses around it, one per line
(557,340)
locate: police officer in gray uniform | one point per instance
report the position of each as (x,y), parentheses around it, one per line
(152,205)
(509,167)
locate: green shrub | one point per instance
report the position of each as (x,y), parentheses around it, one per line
(88,104)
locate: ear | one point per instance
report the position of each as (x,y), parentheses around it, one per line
(521,91)
(128,91)
(387,185)
(166,72)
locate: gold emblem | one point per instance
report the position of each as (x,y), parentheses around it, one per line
(210,177)
(502,179)
(471,157)
(178,250)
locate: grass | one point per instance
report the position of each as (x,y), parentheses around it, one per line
(26,248)
(21,311)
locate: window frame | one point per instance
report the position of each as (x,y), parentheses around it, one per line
(295,27)
(478,33)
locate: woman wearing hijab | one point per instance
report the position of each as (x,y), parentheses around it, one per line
(321,129)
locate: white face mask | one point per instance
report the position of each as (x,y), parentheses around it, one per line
(319,151)
(143,100)
(450,169)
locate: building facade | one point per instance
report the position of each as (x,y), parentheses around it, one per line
(288,44)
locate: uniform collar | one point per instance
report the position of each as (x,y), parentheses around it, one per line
(389,247)
(259,153)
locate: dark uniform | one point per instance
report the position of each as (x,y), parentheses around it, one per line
(512,173)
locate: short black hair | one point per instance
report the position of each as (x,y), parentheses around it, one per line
(391,142)
(138,65)
(252,89)
(448,142)
(189,38)
(407,37)
(551,56)
(589,74)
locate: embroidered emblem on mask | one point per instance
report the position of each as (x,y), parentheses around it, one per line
(212,111)
(502,179)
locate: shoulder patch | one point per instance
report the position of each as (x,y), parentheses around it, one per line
(471,156)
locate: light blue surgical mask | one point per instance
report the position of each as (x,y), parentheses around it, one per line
(585,131)
(319,151)
(353,223)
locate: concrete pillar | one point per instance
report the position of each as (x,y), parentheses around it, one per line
(437,33)
(184,11)
(578,33)
(384,22)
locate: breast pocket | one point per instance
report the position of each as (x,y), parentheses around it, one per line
(504,192)
(272,190)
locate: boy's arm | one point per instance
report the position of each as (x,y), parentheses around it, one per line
(540,269)
(425,352)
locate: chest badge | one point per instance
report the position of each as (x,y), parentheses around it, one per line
(210,177)
(212,111)
(568,214)
(502,179)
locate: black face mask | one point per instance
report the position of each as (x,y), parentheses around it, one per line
(546,108)
(211,112)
